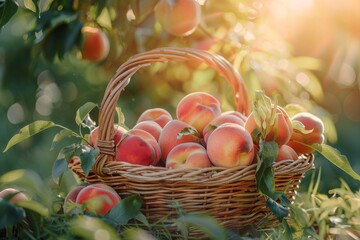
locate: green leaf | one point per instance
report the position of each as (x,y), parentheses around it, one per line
(288,232)
(83,112)
(121,116)
(128,208)
(70,151)
(88,158)
(336,158)
(28,131)
(277,209)
(88,228)
(297,125)
(64,133)
(299,215)
(59,167)
(187,131)
(8,8)
(34,207)
(137,234)
(10,214)
(28,180)
(73,33)
(264,171)
(142,218)
(205,223)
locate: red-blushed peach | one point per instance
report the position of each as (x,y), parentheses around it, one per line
(158,115)
(188,155)
(286,153)
(169,136)
(71,198)
(72,194)
(94,136)
(198,109)
(280,132)
(230,145)
(311,123)
(217,121)
(98,198)
(19,196)
(179,18)
(151,127)
(96,45)
(138,147)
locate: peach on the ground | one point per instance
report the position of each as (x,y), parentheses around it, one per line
(98,198)
(198,109)
(19,196)
(230,145)
(188,155)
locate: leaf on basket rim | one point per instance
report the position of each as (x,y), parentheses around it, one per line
(83,112)
(264,171)
(88,158)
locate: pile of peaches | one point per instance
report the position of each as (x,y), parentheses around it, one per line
(202,135)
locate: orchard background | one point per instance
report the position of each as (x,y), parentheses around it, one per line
(304,52)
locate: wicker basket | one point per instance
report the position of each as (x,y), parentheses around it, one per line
(228,194)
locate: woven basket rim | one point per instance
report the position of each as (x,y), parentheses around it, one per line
(207,176)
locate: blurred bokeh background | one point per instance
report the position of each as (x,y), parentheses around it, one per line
(304,52)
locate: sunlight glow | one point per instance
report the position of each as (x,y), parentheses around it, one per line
(15,113)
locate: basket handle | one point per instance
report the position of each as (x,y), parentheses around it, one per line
(133,64)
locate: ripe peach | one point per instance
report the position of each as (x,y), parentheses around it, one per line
(96,45)
(280,132)
(235,113)
(169,137)
(98,198)
(198,109)
(151,127)
(19,196)
(71,196)
(230,145)
(138,147)
(310,122)
(158,115)
(94,135)
(286,153)
(179,18)
(188,155)
(217,121)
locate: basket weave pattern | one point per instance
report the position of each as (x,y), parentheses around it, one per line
(228,194)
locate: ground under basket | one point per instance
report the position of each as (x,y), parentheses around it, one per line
(228,194)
